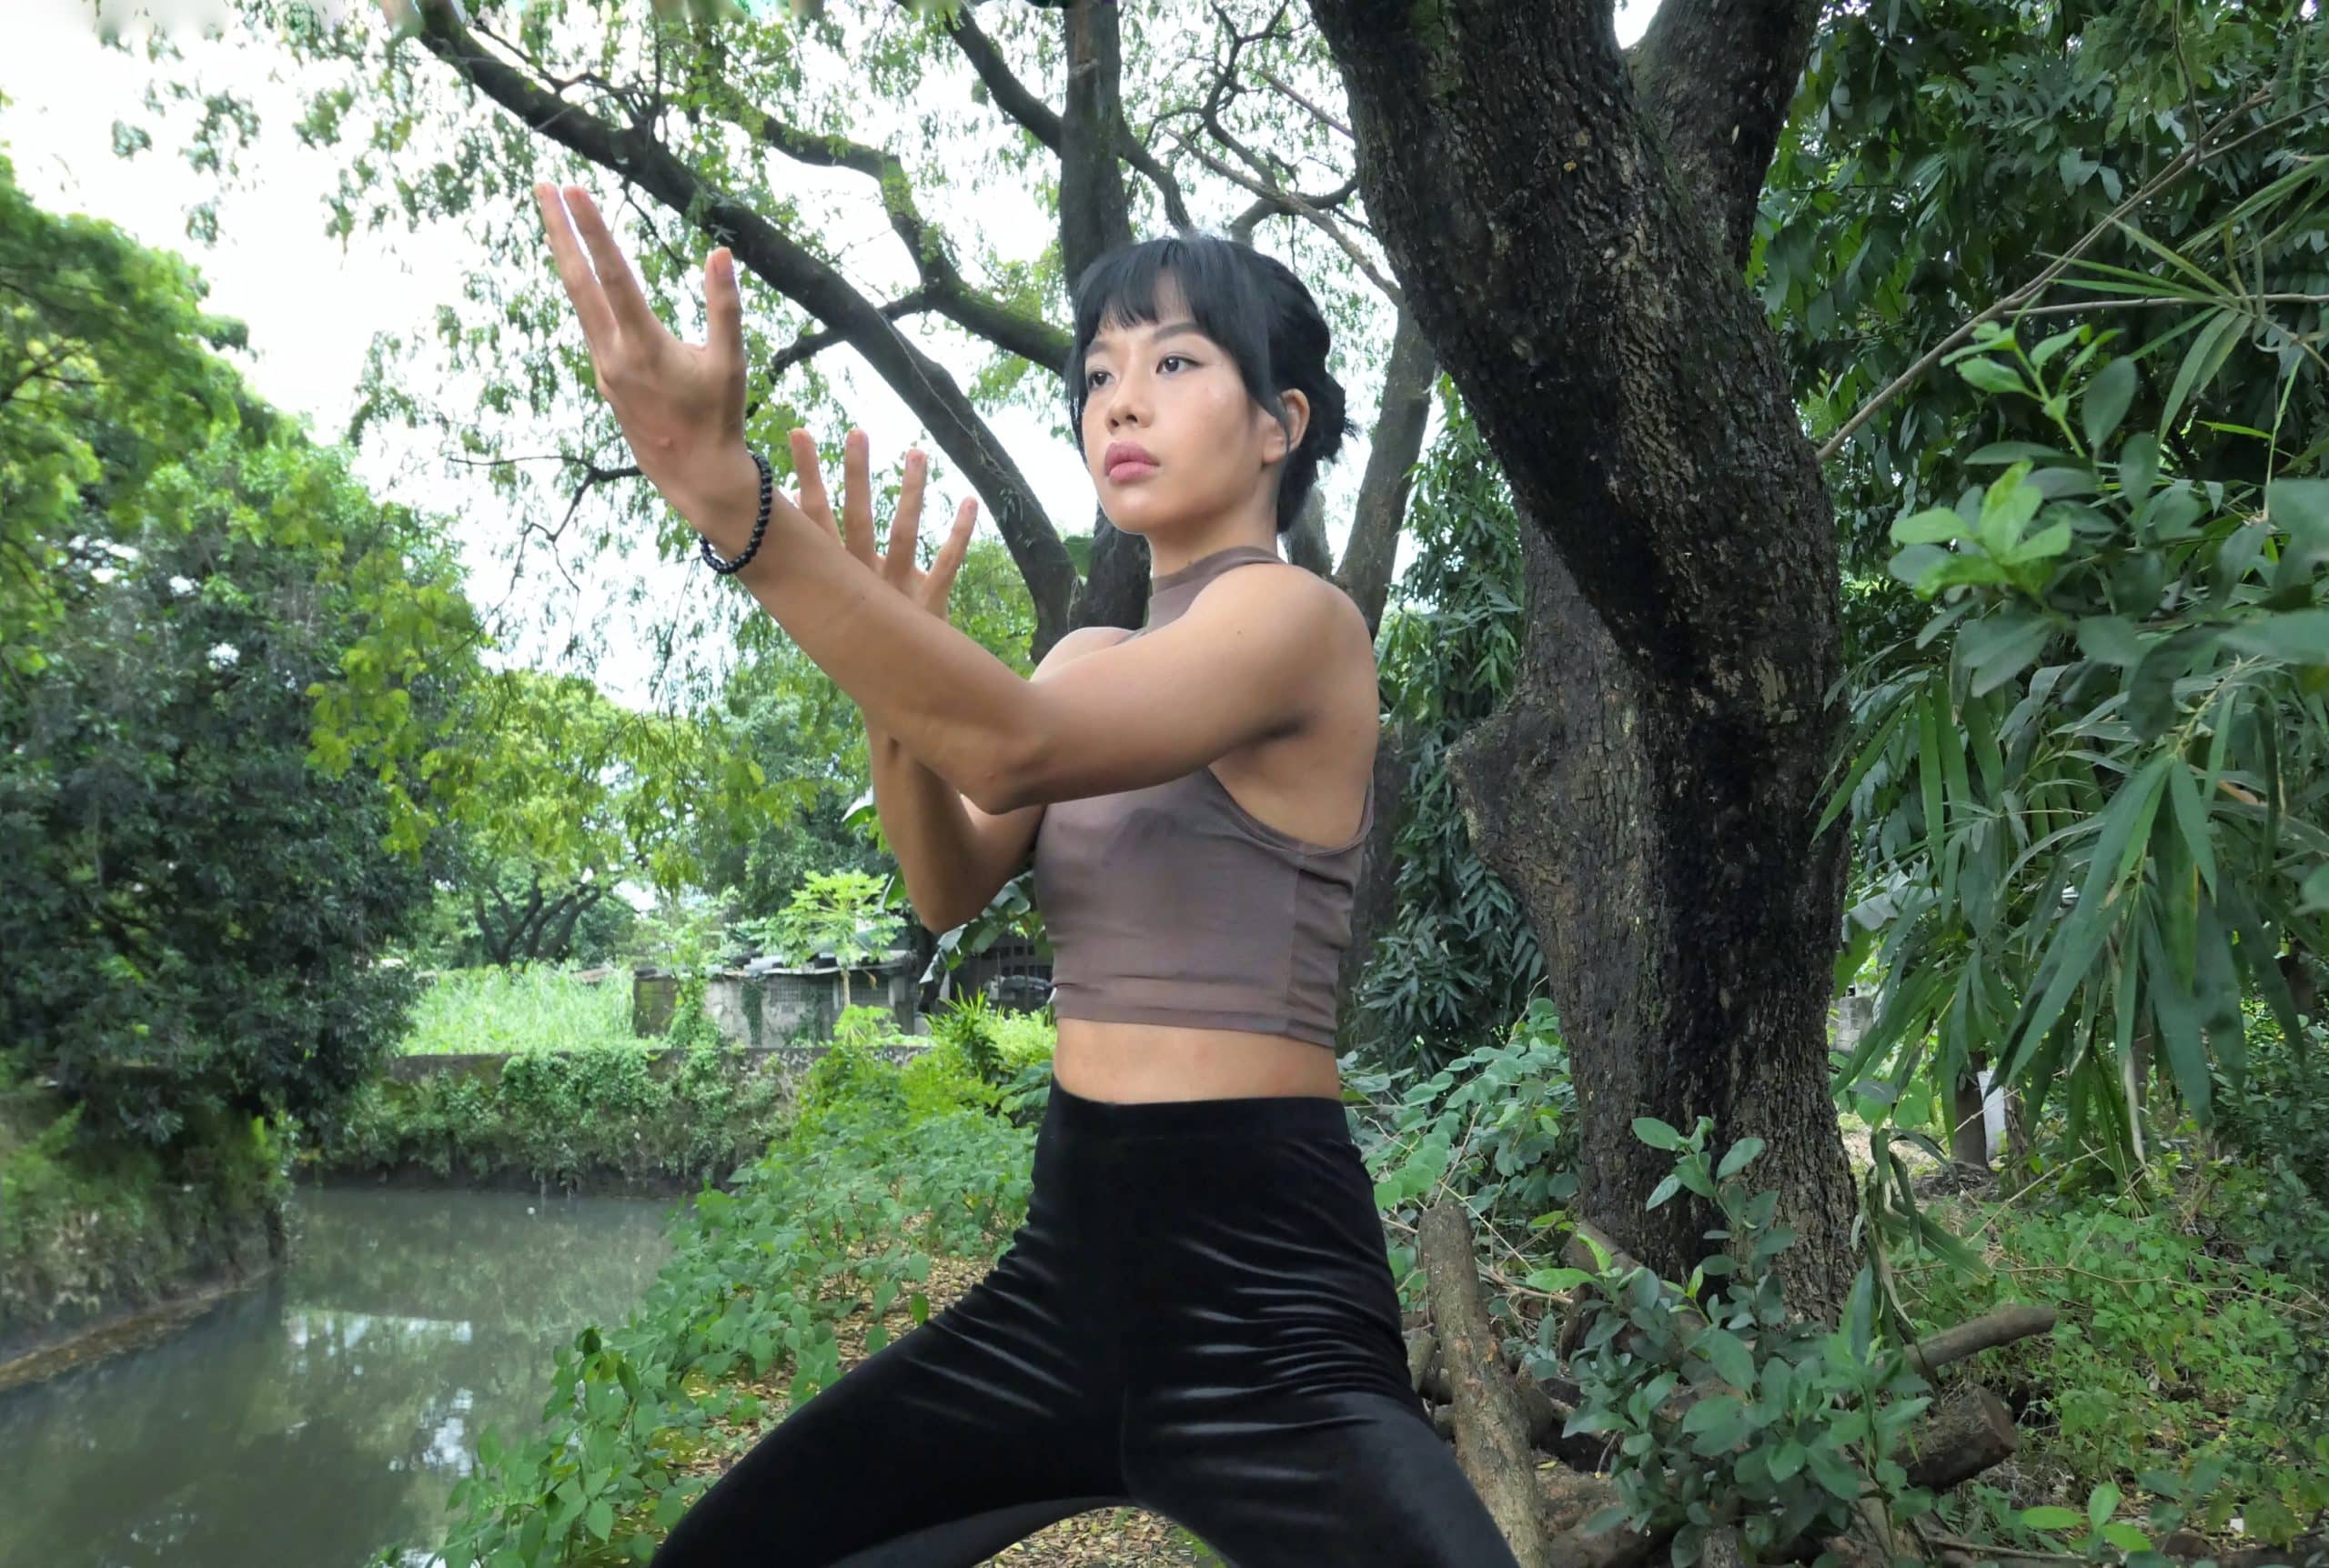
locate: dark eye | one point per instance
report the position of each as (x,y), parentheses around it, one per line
(1170,357)
(1088,374)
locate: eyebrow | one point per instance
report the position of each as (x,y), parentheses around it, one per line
(1170,329)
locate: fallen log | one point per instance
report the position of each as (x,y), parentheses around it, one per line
(1989,1330)
(1961,1436)
(1491,1437)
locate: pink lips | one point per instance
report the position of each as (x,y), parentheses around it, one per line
(1126,460)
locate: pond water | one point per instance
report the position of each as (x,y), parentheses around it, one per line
(326,1414)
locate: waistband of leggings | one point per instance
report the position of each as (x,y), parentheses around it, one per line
(1251,1115)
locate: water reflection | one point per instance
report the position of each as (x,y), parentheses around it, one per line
(318,1418)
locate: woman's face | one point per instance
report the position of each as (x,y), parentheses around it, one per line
(1170,433)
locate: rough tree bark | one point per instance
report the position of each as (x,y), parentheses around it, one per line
(1649,789)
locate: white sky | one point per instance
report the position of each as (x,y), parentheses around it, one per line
(313,309)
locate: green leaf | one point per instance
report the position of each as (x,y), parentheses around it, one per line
(2110,639)
(2192,819)
(2043,545)
(2009,452)
(2315,894)
(1607,1519)
(2138,464)
(1742,1154)
(1997,648)
(2007,506)
(2301,507)
(600,1519)
(1664,1190)
(2101,1504)
(2125,1537)
(1656,1133)
(1990,376)
(2049,1517)
(1728,1354)
(1933,525)
(1838,1478)
(2209,349)
(2293,637)
(2104,403)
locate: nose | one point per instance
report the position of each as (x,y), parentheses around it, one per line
(1126,402)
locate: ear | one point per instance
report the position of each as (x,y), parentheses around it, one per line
(1277,441)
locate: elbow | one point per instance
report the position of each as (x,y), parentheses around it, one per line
(1007,778)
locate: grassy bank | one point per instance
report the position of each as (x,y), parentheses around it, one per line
(93,1228)
(578,1103)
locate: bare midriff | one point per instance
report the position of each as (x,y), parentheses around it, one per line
(1101,1060)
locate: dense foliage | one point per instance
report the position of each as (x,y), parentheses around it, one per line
(1457,960)
(2085,785)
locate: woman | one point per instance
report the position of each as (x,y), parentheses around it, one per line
(1197,1315)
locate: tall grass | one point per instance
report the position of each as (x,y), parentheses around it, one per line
(534,1007)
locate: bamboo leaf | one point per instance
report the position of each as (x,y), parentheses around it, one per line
(2207,355)
(2104,402)
(2178,1015)
(2078,940)
(2191,820)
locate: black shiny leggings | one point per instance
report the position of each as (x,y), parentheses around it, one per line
(1196,1317)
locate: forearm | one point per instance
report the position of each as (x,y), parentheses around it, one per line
(955,707)
(928,830)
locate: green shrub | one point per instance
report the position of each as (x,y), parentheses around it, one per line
(2172,1350)
(562,1117)
(89,1223)
(1508,1106)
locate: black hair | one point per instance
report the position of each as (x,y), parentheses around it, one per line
(1251,304)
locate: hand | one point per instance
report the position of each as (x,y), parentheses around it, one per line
(681,405)
(895,565)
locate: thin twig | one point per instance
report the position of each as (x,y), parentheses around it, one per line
(2165,299)
(1316,112)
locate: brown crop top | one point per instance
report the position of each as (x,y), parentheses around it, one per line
(1173,904)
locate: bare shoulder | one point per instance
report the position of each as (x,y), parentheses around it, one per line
(1075,644)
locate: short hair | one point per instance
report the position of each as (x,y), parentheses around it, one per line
(1250,304)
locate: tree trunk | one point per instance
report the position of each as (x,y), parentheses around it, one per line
(1649,789)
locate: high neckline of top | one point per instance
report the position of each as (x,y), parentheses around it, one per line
(1172,593)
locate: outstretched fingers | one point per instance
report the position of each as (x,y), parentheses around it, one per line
(814,500)
(951,553)
(574,273)
(905,528)
(628,306)
(857,495)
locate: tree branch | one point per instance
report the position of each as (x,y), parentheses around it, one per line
(921,383)
(1275,198)
(1393,446)
(943,288)
(1716,78)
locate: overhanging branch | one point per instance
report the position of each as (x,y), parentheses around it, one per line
(923,385)
(943,289)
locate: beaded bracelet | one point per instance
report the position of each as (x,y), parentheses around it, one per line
(760,526)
